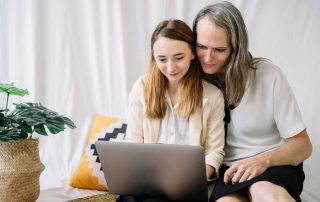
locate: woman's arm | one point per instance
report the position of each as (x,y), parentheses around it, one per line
(214,142)
(210,171)
(134,132)
(292,152)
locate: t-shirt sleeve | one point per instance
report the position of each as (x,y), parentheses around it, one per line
(286,111)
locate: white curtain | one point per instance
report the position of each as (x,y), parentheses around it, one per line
(80,57)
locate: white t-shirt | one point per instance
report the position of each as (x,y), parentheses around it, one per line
(267,114)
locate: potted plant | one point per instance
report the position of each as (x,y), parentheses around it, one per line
(20,166)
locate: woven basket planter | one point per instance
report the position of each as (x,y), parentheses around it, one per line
(20,169)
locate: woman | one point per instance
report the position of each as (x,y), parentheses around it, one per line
(266,141)
(158,114)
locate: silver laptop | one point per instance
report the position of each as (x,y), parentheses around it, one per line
(176,172)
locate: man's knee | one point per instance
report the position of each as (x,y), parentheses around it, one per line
(234,197)
(267,191)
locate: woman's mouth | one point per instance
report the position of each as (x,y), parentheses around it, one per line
(173,74)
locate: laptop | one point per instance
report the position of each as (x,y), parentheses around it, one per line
(175,172)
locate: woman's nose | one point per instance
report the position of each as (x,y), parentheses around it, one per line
(171,67)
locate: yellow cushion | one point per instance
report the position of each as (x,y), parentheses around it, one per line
(88,174)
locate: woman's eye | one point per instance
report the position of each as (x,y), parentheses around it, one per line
(162,60)
(179,58)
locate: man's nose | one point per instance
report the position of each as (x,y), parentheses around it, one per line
(208,56)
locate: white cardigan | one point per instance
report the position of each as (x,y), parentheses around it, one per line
(206,126)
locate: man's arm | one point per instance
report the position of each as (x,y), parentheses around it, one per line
(292,152)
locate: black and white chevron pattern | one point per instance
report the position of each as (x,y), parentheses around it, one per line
(114,132)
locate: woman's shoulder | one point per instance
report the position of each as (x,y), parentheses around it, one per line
(210,90)
(137,87)
(140,81)
(207,86)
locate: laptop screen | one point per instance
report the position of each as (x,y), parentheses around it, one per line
(176,172)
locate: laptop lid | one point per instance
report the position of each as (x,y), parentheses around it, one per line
(173,171)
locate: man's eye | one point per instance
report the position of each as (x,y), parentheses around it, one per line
(219,50)
(201,47)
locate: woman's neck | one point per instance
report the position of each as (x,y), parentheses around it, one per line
(173,91)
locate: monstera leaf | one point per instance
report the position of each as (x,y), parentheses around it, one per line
(28,118)
(12,90)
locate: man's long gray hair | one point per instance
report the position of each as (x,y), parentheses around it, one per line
(240,63)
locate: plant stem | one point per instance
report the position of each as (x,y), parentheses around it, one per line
(5,113)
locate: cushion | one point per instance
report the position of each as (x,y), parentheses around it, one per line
(88,174)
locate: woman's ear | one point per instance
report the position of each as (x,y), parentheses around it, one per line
(192,56)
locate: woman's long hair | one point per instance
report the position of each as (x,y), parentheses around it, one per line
(240,62)
(155,84)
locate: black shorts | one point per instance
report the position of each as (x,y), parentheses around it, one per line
(289,177)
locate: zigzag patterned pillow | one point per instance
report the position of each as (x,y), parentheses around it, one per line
(88,174)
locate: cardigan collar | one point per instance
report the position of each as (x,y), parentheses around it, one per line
(194,129)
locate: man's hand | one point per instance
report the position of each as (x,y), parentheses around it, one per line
(245,170)
(292,152)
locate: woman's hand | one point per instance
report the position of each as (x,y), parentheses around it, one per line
(210,171)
